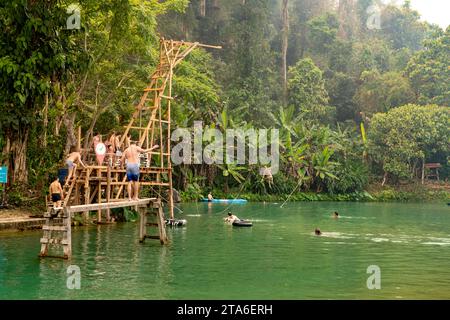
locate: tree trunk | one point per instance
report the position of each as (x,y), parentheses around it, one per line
(202,8)
(183,178)
(423,171)
(384,179)
(15,153)
(226,189)
(90,132)
(69,122)
(284,47)
(347,19)
(44,143)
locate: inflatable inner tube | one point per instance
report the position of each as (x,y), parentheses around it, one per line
(242,223)
(176,223)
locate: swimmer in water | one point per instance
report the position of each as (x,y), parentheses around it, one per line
(317,232)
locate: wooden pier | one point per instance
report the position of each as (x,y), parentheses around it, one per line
(58,227)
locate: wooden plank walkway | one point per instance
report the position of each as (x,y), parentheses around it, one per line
(57,229)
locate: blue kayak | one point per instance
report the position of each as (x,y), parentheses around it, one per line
(225,200)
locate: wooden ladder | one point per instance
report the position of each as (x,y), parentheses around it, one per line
(57,232)
(155,210)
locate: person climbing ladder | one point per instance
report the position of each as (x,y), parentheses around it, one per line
(71,163)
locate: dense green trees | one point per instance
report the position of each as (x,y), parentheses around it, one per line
(54,78)
(429,70)
(37,59)
(381,92)
(339,71)
(311,68)
(403,138)
(307,91)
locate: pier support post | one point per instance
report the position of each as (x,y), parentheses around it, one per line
(57,232)
(156,210)
(67,220)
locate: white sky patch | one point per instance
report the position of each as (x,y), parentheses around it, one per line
(432,11)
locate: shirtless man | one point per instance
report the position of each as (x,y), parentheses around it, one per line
(57,193)
(73,157)
(132,156)
(231,218)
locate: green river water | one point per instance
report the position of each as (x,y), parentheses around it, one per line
(278,258)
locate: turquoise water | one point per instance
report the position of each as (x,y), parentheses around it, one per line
(278,258)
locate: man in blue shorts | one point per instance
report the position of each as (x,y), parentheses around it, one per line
(131,154)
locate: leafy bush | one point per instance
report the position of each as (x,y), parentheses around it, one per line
(353,177)
(192,192)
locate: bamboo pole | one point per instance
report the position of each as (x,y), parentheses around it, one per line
(87,191)
(99,195)
(169,163)
(79,139)
(108,194)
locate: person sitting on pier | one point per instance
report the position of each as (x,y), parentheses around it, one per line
(57,193)
(131,154)
(231,218)
(73,157)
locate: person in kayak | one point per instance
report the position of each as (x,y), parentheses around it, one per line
(210,197)
(231,218)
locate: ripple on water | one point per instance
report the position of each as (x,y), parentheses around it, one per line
(336,235)
(437,243)
(379,239)
(445,240)
(350,217)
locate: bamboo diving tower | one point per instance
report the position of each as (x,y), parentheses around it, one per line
(150,124)
(151,120)
(102,186)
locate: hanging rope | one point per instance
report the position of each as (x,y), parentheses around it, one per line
(227,208)
(164,198)
(287,199)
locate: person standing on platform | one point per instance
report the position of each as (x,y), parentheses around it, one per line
(131,154)
(56,192)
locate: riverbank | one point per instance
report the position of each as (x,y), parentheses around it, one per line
(25,218)
(19,220)
(431,192)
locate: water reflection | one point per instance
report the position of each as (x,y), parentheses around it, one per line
(279,257)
